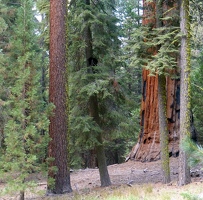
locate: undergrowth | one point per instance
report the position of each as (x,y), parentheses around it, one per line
(139,192)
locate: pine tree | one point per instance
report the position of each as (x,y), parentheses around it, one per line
(58,173)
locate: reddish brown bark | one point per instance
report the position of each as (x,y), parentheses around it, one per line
(58,129)
(148,146)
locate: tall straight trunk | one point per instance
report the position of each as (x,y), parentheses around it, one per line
(162,103)
(43,69)
(163,129)
(184,171)
(58,95)
(94,112)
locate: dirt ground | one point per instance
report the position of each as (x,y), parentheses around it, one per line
(129,173)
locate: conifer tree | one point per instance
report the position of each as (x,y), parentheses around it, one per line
(24,150)
(94,91)
(93,106)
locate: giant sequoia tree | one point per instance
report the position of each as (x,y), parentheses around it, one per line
(58,174)
(148,146)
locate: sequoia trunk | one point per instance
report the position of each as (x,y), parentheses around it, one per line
(148,146)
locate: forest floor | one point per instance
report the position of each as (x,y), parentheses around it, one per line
(129,174)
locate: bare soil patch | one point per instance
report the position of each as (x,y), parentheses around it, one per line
(129,173)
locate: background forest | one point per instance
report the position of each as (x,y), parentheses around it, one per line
(113,71)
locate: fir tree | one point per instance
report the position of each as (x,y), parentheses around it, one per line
(25,146)
(104,81)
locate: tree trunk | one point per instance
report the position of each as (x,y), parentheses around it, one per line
(148,146)
(184,171)
(21,195)
(100,152)
(89,157)
(163,129)
(103,171)
(58,128)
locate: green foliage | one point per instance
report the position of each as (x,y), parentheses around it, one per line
(197,70)
(25,120)
(194,152)
(115,106)
(156,49)
(43,9)
(166,58)
(196,96)
(146,39)
(3,25)
(189,196)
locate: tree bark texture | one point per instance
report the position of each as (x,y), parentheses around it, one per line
(184,171)
(94,111)
(163,129)
(58,95)
(148,146)
(100,152)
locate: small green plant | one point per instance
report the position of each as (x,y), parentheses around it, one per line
(189,196)
(148,189)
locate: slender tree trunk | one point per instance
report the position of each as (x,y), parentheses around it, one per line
(100,152)
(58,128)
(163,128)
(43,82)
(184,171)
(162,103)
